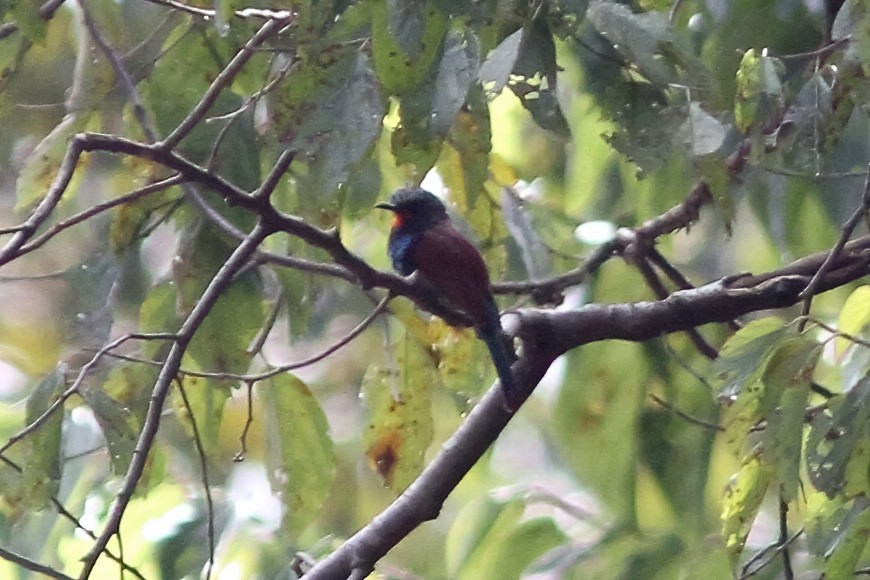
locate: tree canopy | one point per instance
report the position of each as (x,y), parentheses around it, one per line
(208,367)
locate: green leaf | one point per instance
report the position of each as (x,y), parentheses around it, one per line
(496,69)
(677,453)
(787,381)
(851,541)
(602,411)
(736,376)
(743,356)
(206,400)
(434,109)
(464,362)
(221,342)
(26,16)
(638,37)
(12,58)
(158,314)
(119,407)
(400,424)
(41,469)
(464,160)
(742,498)
(361,191)
(331,114)
(231,146)
(759,90)
(239,308)
(130,219)
(489,540)
(301,460)
(701,133)
(713,169)
(853,20)
(456,71)
(400,72)
(405,23)
(88,307)
(837,531)
(533,78)
(837,438)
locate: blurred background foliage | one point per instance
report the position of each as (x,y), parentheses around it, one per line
(546,125)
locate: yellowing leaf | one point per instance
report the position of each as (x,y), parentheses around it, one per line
(43,164)
(742,498)
(400,417)
(853,317)
(463,361)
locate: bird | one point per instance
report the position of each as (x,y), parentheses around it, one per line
(424,240)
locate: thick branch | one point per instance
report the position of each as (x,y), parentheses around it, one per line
(547,334)
(422,501)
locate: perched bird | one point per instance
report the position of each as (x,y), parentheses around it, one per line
(423,240)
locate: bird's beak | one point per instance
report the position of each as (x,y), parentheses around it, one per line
(385,205)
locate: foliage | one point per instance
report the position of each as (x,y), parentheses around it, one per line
(207,369)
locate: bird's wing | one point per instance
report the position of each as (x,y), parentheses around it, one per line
(451,264)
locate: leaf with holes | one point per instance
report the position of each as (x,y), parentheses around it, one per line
(835,442)
(787,381)
(400,424)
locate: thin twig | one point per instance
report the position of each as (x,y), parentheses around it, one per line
(84,215)
(275,371)
(770,551)
(120,71)
(274,178)
(686,416)
(249,421)
(74,387)
(632,254)
(168,372)
(259,340)
(206,14)
(223,80)
(848,228)
(255,97)
(31,565)
(686,366)
(34,277)
(819,52)
(835,333)
(77,524)
(784,541)
(203,466)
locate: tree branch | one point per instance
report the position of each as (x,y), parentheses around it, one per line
(216,287)
(546,334)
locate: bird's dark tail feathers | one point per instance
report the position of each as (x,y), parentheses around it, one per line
(491,334)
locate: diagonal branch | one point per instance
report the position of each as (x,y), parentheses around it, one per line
(224,78)
(547,334)
(28,564)
(215,289)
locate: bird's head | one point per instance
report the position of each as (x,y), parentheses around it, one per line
(414,208)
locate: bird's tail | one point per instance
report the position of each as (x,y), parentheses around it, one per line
(491,335)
